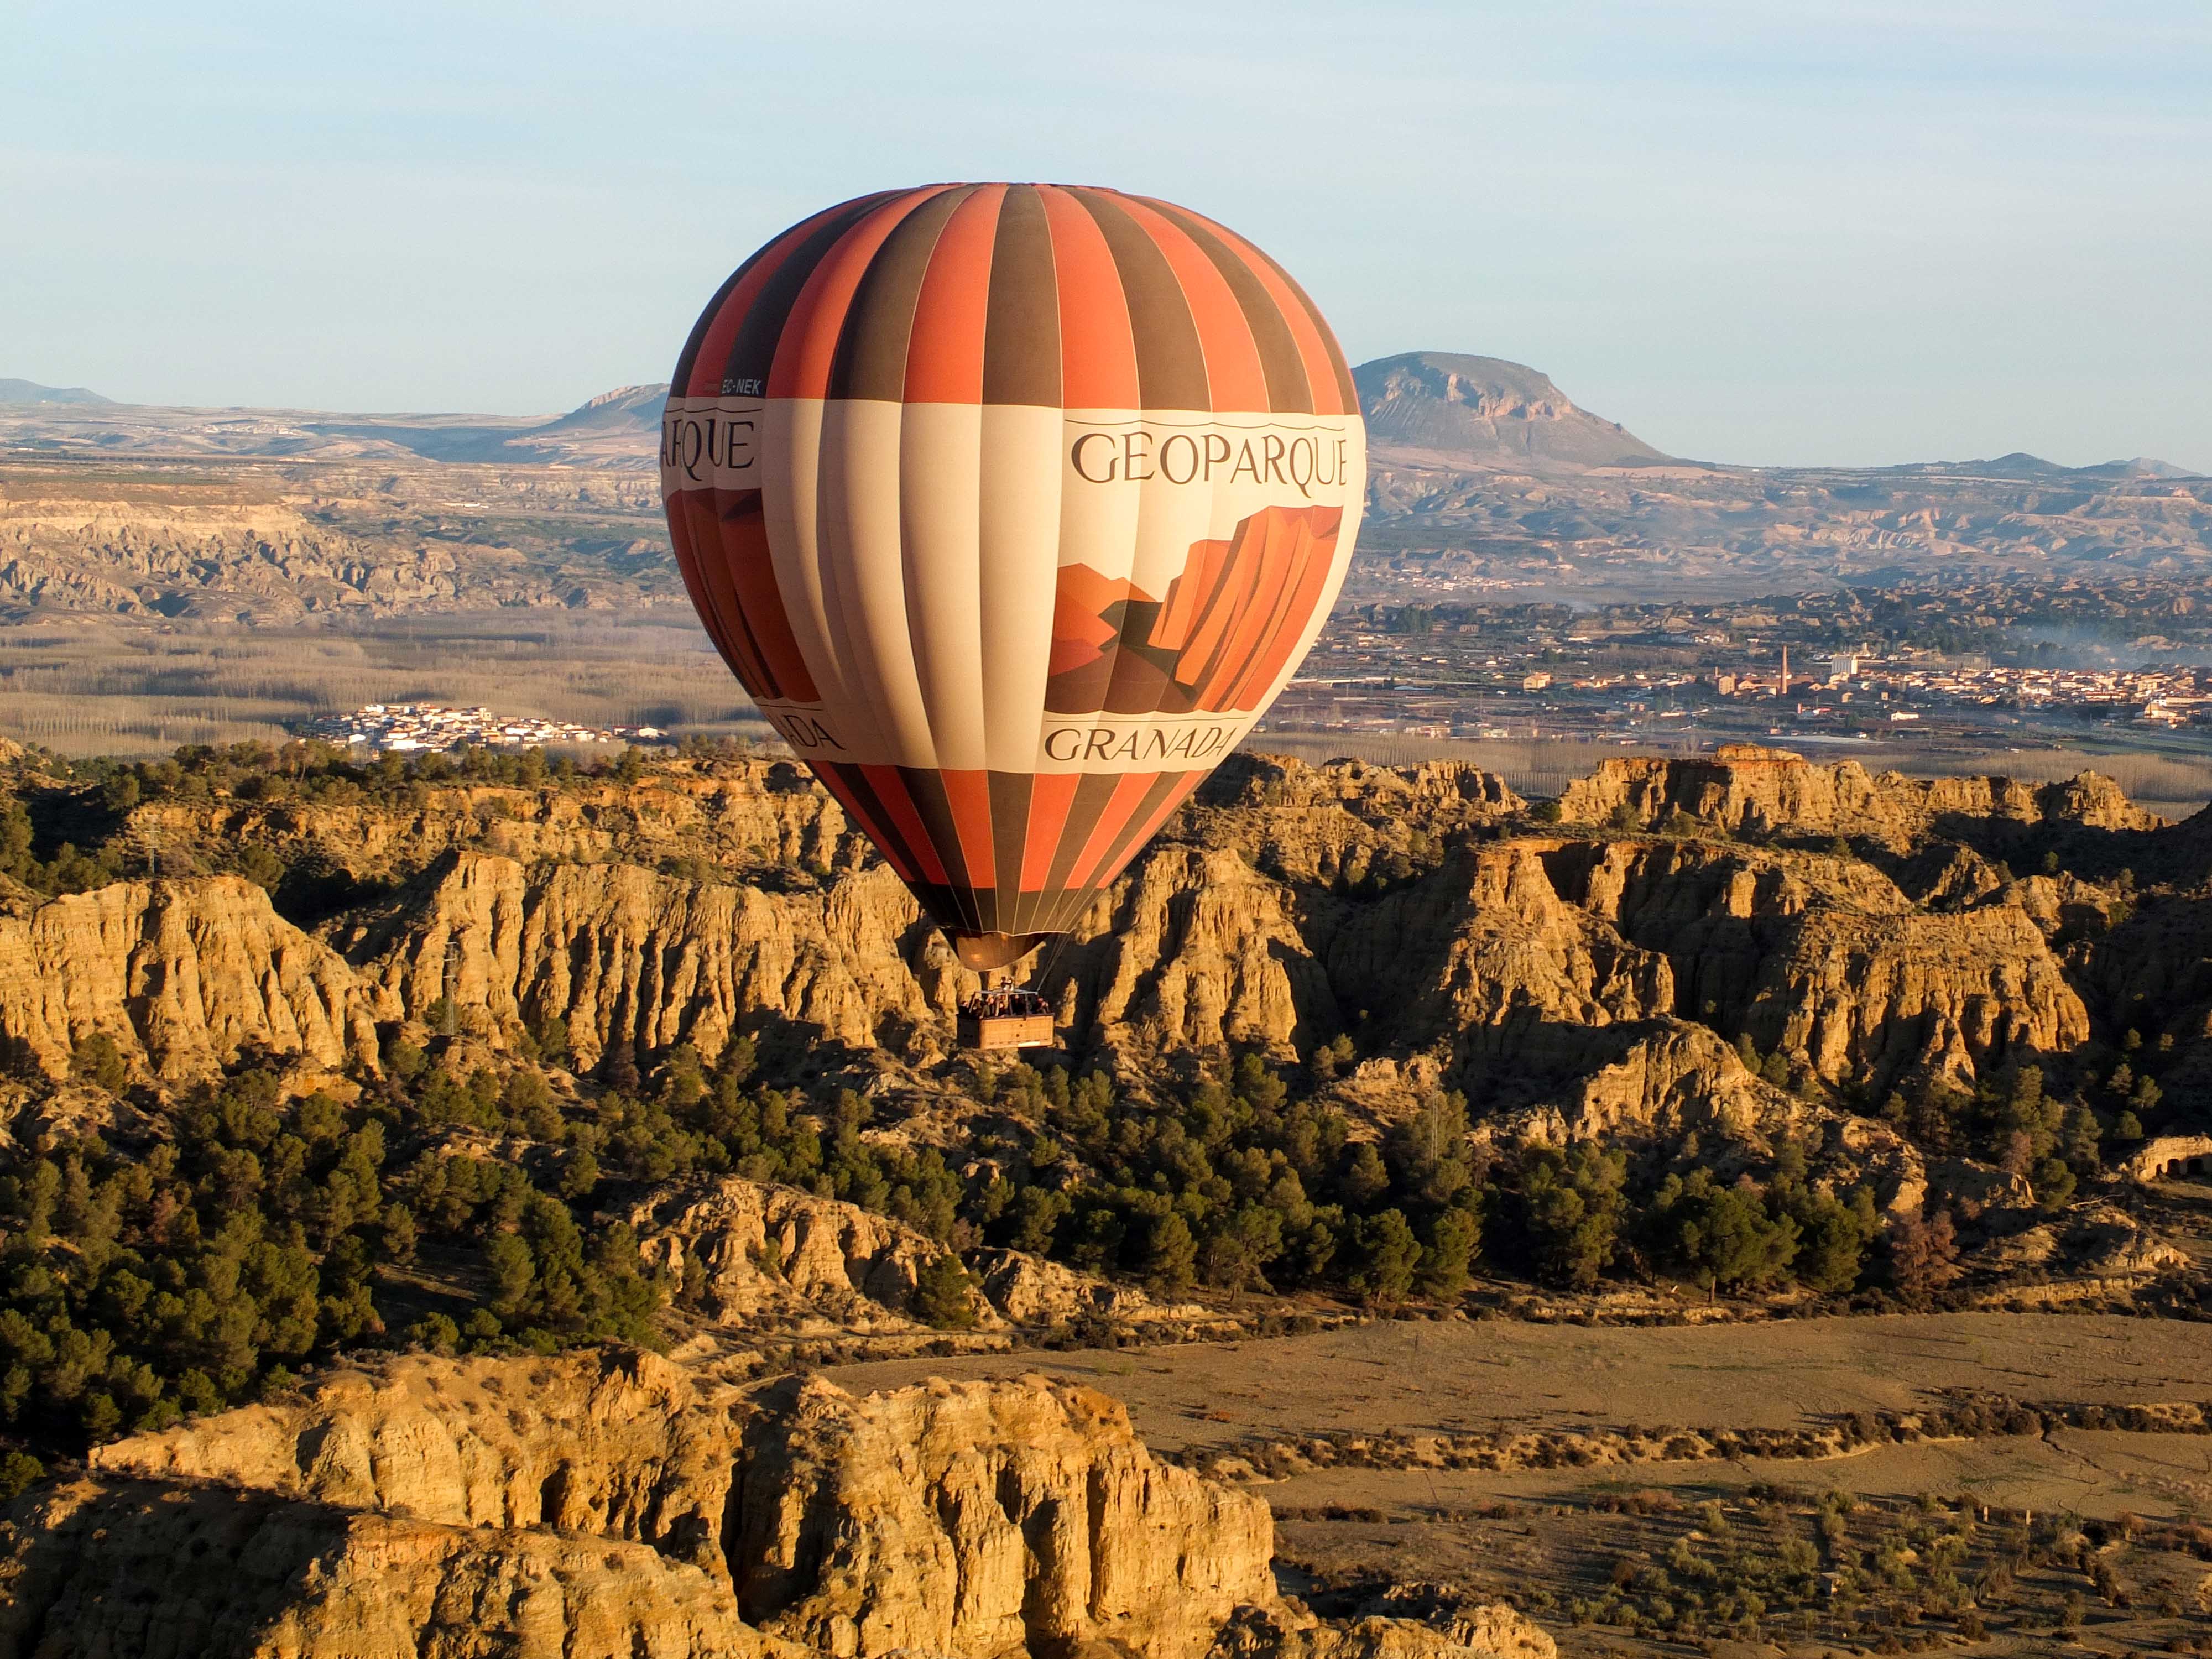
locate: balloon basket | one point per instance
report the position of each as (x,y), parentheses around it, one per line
(1006,1019)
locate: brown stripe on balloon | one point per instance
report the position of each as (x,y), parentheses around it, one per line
(741,648)
(1021,333)
(1131,788)
(727,313)
(1329,380)
(751,568)
(679,381)
(1166,795)
(688,566)
(940,903)
(695,509)
(983,905)
(872,349)
(1288,394)
(753,351)
(1347,394)
(1010,819)
(1091,795)
(1050,914)
(850,788)
(925,789)
(1071,905)
(1171,363)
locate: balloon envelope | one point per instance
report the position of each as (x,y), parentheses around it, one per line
(1012,506)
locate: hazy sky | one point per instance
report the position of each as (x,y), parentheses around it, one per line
(1775,230)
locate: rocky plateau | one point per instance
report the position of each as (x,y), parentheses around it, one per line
(601,1506)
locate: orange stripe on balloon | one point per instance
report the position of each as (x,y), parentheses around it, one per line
(849,796)
(1048,803)
(759,599)
(1098,346)
(1236,380)
(1318,348)
(890,790)
(688,566)
(1165,793)
(1177,794)
(968,794)
(705,380)
(1128,791)
(944,350)
(732,636)
(808,346)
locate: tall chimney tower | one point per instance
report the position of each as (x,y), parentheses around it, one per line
(1782,690)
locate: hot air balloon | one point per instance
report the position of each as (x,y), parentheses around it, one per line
(1012,506)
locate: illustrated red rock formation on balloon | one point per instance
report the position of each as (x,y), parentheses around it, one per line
(1216,641)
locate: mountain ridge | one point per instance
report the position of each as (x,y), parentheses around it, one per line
(1488,412)
(1461,410)
(31,393)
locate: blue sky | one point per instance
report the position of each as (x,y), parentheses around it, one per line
(1819,230)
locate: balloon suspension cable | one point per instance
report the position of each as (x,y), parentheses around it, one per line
(1053,954)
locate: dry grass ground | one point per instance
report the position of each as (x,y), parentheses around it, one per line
(1427,1378)
(1893,1548)
(87,685)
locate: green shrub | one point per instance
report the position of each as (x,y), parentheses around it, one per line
(944,1294)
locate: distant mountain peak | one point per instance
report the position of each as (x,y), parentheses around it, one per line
(30,391)
(642,392)
(1489,412)
(633,409)
(2021,465)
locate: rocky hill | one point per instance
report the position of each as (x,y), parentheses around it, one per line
(1867,927)
(613,1504)
(617,428)
(185,542)
(31,393)
(452,1087)
(1460,411)
(1483,476)
(1424,914)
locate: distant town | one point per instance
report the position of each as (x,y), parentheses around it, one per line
(1996,666)
(416,727)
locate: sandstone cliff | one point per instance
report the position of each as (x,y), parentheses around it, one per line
(623,954)
(623,1445)
(110,1567)
(1745,787)
(751,816)
(171,537)
(606,1506)
(183,974)
(1463,954)
(1325,823)
(1194,948)
(1824,957)
(974,1519)
(740,1252)
(1034,1290)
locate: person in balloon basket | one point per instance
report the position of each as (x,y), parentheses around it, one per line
(1009,1003)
